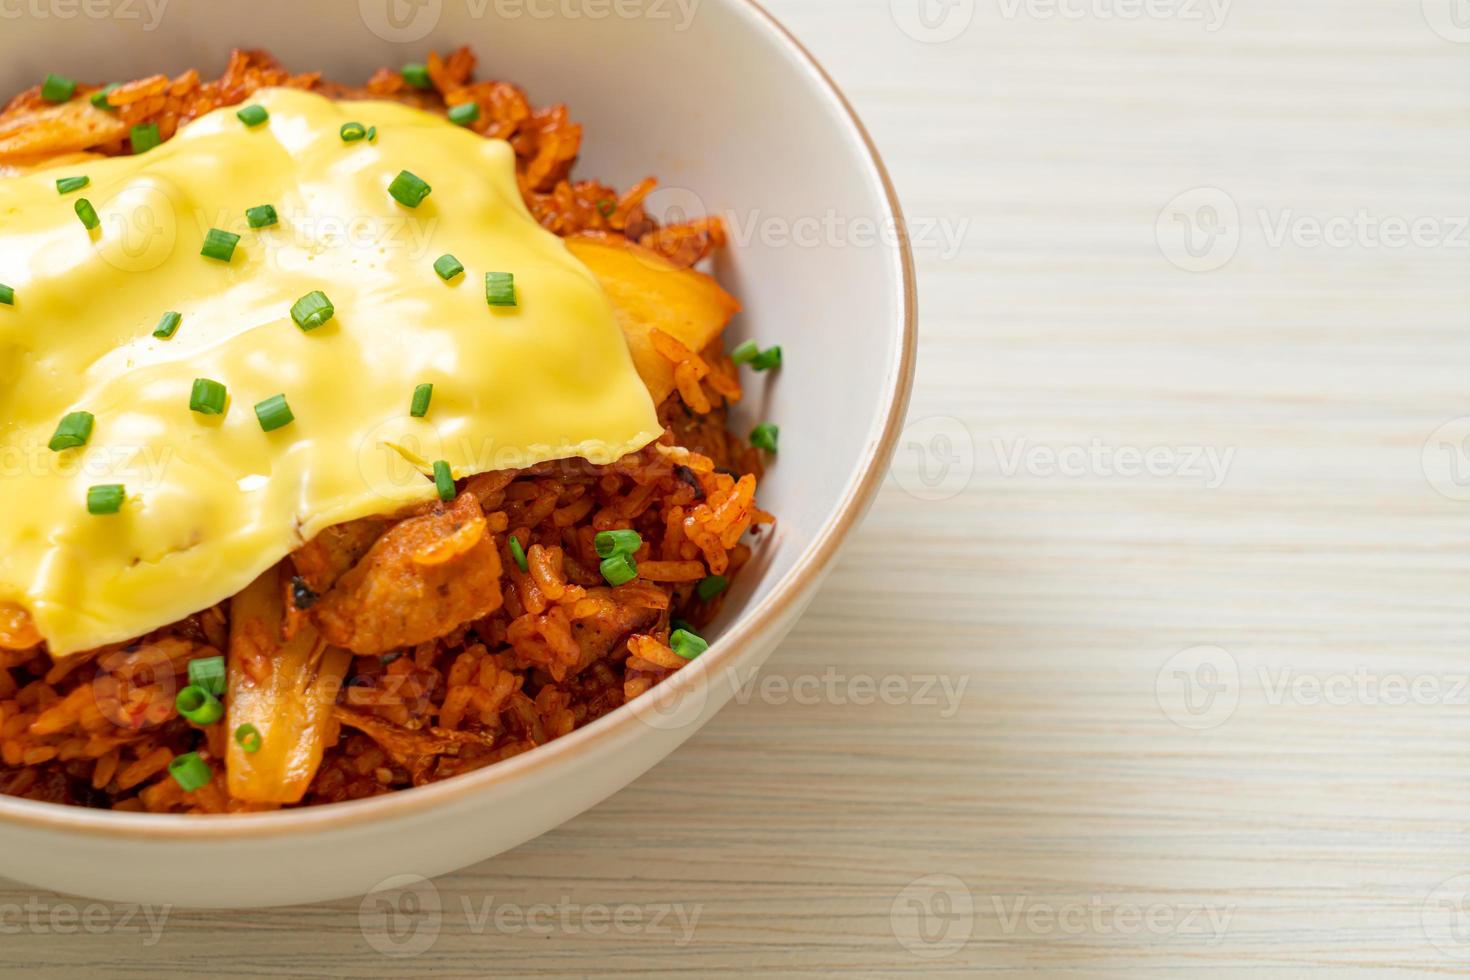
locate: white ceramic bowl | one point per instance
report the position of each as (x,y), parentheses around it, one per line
(734,117)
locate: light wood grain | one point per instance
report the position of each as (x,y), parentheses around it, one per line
(1090,833)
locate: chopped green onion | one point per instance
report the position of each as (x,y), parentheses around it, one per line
(253,115)
(606,207)
(105,498)
(419,407)
(443,480)
(262,217)
(58,88)
(207,397)
(686,644)
(7,295)
(711,586)
(273,413)
(464,113)
(351,132)
(145,138)
(312,310)
(764,436)
(99,97)
(619,569)
(448,266)
(167,324)
(68,184)
(199,706)
(610,543)
(518,553)
(767,359)
(87,213)
(219,245)
(745,352)
(409,189)
(190,771)
(73,430)
(208,673)
(247,736)
(372,136)
(417,76)
(500,288)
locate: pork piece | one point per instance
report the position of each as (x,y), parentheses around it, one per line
(323,559)
(422,578)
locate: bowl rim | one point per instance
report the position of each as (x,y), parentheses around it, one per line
(803,575)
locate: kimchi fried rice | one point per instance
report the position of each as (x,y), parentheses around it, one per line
(530,639)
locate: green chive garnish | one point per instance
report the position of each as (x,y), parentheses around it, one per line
(764,436)
(619,569)
(207,397)
(464,113)
(199,706)
(99,97)
(247,736)
(87,213)
(273,413)
(7,295)
(518,553)
(219,245)
(711,586)
(500,288)
(167,324)
(253,115)
(610,543)
(443,480)
(419,407)
(261,217)
(351,132)
(312,310)
(190,771)
(686,644)
(145,138)
(68,184)
(105,498)
(58,88)
(208,673)
(767,359)
(447,266)
(606,207)
(73,430)
(417,76)
(409,189)
(745,352)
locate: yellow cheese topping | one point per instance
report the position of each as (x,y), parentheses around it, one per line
(213,501)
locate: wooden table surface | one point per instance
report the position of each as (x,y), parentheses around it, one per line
(1152,656)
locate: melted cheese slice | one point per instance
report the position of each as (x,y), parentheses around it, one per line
(214,501)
